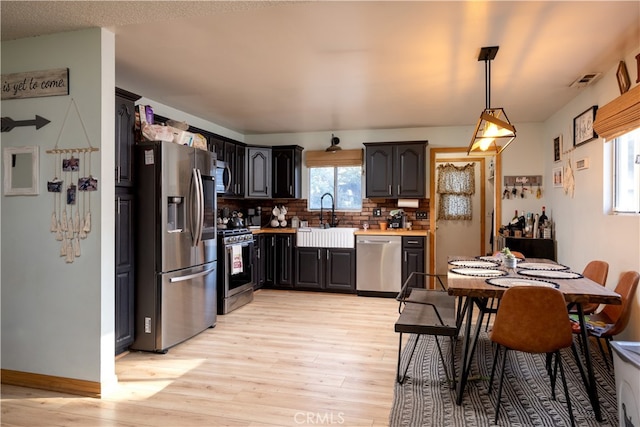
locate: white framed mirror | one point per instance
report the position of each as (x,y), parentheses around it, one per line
(21,171)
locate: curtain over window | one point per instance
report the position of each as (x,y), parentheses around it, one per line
(456,185)
(620,116)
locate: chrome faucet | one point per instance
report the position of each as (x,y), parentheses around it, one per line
(332,221)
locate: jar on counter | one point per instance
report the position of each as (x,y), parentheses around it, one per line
(295,222)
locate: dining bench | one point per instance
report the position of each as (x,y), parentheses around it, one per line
(426,312)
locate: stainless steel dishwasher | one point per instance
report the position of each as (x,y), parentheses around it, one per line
(379,266)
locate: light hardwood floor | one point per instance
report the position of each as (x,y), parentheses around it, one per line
(287,359)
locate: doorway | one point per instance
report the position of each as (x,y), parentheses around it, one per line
(462,237)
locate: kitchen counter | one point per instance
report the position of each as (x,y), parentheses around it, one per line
(392,232)
(370,232)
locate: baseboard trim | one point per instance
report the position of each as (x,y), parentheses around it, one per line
(50,382)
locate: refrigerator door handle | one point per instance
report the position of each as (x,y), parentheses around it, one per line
(191,276)
(200,206)
(196,208)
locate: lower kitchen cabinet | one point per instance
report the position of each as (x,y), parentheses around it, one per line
(258,261)
(329,269)
(125,280)
(276,263)
(413,259)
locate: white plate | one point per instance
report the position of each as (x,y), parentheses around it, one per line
(478,272)
(508,282)
(472,263)
(497,259)
(542,266)
(551,274)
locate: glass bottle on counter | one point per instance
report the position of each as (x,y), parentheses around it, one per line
(542,223)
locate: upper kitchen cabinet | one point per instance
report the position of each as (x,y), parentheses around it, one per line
(287,172)
(217,146)
(235,157)
(258,172)
(125,136)
(395,169)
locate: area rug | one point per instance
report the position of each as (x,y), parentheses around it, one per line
(425,399)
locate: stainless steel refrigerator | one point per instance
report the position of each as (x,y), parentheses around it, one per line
(175,244)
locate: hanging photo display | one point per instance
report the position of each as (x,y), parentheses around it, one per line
(71,194)
(71,217)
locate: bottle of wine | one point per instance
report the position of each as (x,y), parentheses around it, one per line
(542,221)
(515,217)
(543,217)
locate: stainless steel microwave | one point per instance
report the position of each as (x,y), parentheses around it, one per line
(223,177)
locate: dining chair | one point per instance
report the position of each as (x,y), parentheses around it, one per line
(426,312)
(519,326)
(597,271)
(493,303)
(615,317)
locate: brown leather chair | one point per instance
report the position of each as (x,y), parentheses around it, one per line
(596,271)
(519,326)
(616,317)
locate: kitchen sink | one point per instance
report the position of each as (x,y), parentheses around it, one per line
(339,237)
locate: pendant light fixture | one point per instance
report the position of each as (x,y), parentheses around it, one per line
(334,144)
(494,131)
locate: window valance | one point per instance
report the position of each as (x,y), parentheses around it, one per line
(619,116)
(318,159)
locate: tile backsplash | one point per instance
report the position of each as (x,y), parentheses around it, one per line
(298,207)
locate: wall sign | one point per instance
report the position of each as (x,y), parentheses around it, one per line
(35,84)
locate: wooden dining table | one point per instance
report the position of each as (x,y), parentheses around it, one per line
(474,291)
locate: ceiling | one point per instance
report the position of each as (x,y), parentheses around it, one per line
(276,67)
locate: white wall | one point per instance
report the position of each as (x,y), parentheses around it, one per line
(58,318)
(585,228)
(526,156)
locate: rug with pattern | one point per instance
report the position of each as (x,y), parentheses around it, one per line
(425,399)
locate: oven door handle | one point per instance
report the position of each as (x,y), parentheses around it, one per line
(191,276)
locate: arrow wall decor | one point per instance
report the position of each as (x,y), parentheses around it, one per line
(8,123)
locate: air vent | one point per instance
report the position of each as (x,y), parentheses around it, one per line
(585,80)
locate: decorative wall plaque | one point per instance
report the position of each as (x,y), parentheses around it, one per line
(35,84)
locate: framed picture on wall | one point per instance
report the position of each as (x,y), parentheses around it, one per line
(557,148)
(557,177)
(623,77)
(583,126)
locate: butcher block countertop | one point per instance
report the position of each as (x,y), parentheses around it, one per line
(392,232)
(370,232)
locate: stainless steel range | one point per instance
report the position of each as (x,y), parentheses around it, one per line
(235,269)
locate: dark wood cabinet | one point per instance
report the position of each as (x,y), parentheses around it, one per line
(285,244)
(395,169)
(125,138)
(258,271)
(277,259)
(530,248)
(235,158)
(217,146)
(258,172)
(340,271)
(326,268)
(309,271)
(413,259)
(125,277)
(287,172)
